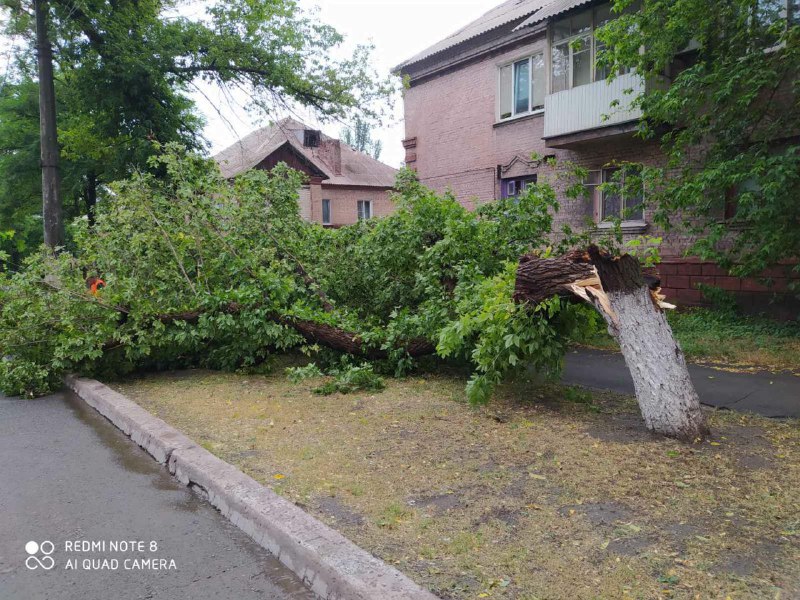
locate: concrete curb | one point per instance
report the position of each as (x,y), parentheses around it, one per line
(330,564)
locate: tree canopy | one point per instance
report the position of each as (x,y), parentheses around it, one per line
(199,271)
(728,121)
(359,137)
(125,72)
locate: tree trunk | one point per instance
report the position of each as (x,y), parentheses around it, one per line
(91,197)
(52,211)
(633,312)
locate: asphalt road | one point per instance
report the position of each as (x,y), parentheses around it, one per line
(767,394)
(67,475)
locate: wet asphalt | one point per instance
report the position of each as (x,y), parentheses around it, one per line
(68,475)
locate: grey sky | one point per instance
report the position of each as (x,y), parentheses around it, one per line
(398,29)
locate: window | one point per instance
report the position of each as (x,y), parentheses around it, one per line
(767,13)
(622,194)
(513,187)
(522,87)
(311,138)
(364,210)
(326,212)
(574,49)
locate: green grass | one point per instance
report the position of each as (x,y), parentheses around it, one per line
(723,336)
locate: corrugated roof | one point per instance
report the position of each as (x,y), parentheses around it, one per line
(551,10)
(357,167)
(507,12)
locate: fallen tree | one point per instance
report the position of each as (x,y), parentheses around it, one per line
(202,272)
(633,310)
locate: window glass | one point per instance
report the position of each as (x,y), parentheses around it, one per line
(633,193)
(560,62)
(623,194)
(612,194)
(538,81)
(794,12)
(581,61)
(600,71)
(505,97)
(364,210)
(522,86)
(602,15)
(561,30)
(516,186)
(581,23)
(326,212)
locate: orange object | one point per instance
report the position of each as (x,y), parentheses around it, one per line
(95,285)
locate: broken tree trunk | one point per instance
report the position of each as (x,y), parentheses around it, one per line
(633,312)
(326,335)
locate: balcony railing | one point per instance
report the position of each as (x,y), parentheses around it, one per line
(590,107)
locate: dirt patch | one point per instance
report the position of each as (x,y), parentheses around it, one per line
(529,497)
(338,511)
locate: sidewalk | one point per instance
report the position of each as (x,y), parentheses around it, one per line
(68,474)
(767,394)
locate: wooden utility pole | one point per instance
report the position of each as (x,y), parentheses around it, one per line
(52,211)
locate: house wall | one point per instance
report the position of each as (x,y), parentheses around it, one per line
(344,203)
(453,141)
(459,143)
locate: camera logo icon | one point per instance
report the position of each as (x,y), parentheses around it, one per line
(46,561)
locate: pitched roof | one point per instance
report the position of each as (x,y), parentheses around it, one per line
(357,168)
(551,10)
(505,13)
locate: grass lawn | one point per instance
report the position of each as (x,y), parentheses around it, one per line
(719,337)
(548,492)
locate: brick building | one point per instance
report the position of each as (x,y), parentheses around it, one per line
(344,185)
(521,80)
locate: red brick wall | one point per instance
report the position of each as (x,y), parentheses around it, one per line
(454,142)
(681,279)
(344,203)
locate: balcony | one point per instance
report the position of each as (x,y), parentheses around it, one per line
(584,113)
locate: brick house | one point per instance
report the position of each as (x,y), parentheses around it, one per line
(520,80)
(343,186)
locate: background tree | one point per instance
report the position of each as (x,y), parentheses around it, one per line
(359,137)
(728,122)
(125,72)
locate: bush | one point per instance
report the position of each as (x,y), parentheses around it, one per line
(352,379)
(298,374)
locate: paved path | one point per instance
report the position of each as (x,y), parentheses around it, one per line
(67,474)
(768,394)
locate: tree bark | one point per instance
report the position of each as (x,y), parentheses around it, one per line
(91,197)
(632,309)
(52,210)
(326,335)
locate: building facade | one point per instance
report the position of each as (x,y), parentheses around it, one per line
(522,82)
(343,185)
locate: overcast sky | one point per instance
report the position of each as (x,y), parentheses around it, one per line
(398,29)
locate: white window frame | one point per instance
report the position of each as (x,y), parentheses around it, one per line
(326,201)
(362,208)
(511,63)
(551,43)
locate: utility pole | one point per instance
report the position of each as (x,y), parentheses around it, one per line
(52,210)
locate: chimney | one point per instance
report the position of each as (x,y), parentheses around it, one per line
(330,151)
